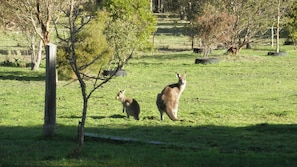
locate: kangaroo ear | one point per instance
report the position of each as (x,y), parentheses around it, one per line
(177,75)
(124,90)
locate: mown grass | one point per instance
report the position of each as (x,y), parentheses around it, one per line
(239,112)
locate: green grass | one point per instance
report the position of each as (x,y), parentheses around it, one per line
(239,112)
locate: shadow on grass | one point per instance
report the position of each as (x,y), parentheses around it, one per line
(173,49)
(165,57)
(22,75)
(245,146)
(112,116)
(174,31)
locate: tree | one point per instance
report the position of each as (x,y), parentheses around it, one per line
(281,8)
(293,23)
(33,18)
(130,26)
(251,18)
(190,10)
(213,27)
(80,50)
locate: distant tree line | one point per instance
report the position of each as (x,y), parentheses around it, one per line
(244,19)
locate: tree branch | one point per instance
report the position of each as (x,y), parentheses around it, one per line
(119,66)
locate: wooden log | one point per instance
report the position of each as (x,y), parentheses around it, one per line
(135,140)
(121,139)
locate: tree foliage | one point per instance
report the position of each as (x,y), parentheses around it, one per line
(293,23)
(92,49)
(130,26)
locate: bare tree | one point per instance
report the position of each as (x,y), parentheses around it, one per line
(89,82)
(251,18)
(281,9)
(213,27)
(33,18)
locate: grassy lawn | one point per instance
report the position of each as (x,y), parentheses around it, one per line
(239,112)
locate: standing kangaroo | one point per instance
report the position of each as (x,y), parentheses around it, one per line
(130,105)
(168,99)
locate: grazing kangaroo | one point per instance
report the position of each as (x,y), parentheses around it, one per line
(130,105)
(168,99)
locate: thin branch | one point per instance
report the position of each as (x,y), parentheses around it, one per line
(73,80)
(35,27)
(119,66)
(58,34)
(91,77)
(98,76)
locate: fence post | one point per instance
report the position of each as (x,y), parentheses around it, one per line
(50,91)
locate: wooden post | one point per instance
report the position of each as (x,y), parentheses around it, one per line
(50,91)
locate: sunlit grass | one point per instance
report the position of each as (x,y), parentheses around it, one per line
(239,112)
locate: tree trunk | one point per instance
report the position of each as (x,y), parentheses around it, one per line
(37,62)
(272,36)
(277,28)
(33,50)
(248,45)
(81,125)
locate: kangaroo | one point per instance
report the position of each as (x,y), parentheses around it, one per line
(168,99)
(130,105)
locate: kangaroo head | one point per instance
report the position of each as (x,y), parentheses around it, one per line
(181,78)
(121,94)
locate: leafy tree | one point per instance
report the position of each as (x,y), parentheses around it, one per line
(130,26)
(293,23)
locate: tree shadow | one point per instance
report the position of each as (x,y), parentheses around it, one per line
(174,49)
(174,31)
(116,116)
(261,142)
(22,76)
(165,57)
(262,138)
